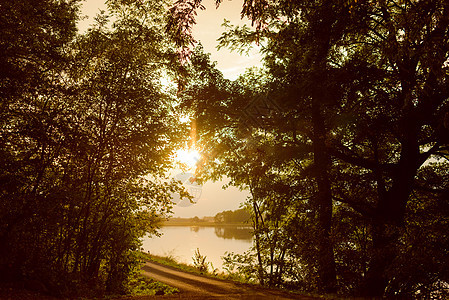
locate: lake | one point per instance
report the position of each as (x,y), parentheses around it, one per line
(181,242)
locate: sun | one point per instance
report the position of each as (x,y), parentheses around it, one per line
(188,158)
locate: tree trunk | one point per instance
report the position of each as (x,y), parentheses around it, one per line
(383,254)
(256,227)
(391,210)
(327,281)
(257,240)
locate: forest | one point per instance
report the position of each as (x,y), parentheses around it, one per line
(341,138)
(238,216)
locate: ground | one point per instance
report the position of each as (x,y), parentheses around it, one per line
(193,286)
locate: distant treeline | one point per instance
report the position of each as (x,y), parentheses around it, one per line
(239,216)
(233,216)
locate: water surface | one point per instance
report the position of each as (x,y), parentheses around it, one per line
(182,241)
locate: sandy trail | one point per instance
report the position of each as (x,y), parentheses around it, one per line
(198,287)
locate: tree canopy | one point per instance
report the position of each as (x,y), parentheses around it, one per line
(87,131)
(341,156)
(341,138)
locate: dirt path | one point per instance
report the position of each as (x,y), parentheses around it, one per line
(199,287)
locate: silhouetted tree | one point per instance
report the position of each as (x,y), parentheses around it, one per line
(86,136)
(363,98)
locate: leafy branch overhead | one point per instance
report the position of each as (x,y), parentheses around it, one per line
(346,175)
(181,19)
(86,138)
(341,139)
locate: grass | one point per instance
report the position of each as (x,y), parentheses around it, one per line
(171,261)
(143,286)
(139,285)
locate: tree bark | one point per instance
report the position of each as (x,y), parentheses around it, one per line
(327,278)
(391,209)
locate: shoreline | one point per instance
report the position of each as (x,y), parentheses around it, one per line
(205,224)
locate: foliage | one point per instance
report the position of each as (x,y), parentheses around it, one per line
(229,216)
(138,285)
(169,260)
(242,267)
(86,135)
(182,17)
(351,155)
(199,261)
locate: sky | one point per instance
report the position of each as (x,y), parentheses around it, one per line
(207,30)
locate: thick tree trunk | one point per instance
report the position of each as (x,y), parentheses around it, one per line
(383,254)
(323,202)
(391,211)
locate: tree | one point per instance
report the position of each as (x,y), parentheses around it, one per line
(229,216)
(32,57)
(400,124)
(363,99)
(86,140)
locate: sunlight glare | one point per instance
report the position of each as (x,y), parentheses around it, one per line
(184,118)
(188,157)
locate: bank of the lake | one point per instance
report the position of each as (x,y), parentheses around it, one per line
(181,242)
(206,224)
